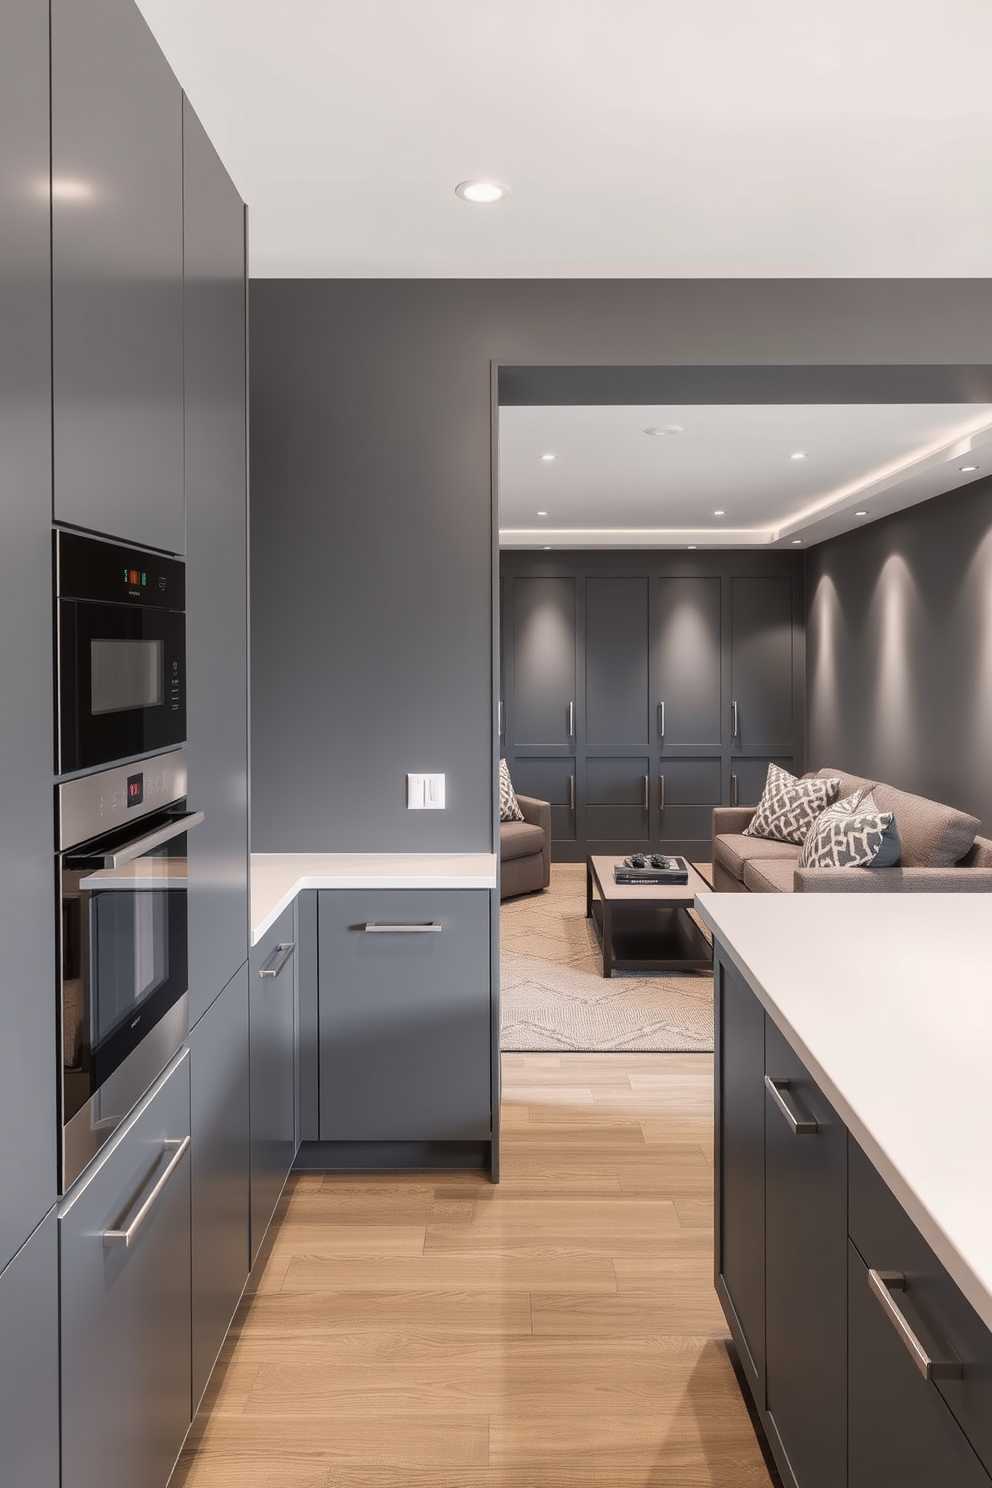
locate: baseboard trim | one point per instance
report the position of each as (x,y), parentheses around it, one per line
(378,1157)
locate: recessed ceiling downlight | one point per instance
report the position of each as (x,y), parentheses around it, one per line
(481,191)
(542,514)
(799,455)
(664,431)
(549,457)
(967,469)
(861,513)
(796,541)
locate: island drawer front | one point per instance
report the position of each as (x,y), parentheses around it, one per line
(887,1240)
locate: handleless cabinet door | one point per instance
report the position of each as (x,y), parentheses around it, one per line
(216,569)
(687,623)
(29,1362)
(273,1023)
(28,1039)
(616,653)
(117,289)
(761,659)
(126,1307)
(543,662)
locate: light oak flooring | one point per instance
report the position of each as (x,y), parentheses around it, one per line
(437,1331)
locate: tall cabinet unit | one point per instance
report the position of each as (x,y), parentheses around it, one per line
(638,691)
(28,1049)
(117,290)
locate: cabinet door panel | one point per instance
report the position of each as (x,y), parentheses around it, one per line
(272,1039)
(740,1061)
(117,293)
(616,651)
(404,1016)
(687,617)
(687,792)
(219,1171)
(615,799)
(806,1273)
(543,661)
(29,1362)
(762,660)
(549,780)
(752,773)
(126,1310)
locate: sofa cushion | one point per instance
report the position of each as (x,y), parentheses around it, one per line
(849,784)
(732,850)
(769,876)
(509,811)
(518,839)
(933,836)
(852,833)
(789,806)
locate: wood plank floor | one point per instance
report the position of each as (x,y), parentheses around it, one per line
(436,1331)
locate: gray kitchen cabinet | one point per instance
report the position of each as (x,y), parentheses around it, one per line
(216,566)
(689,674)
(617,646)
(125,1299)
(117,286)
(550,779)
(28,1038)
(273,1044)
(688,789)
(405,1016)
(762,662)
(219,1171)
(543,704)
(748,776)
(29,1362)
(618,799)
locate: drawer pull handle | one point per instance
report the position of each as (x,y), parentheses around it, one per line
(803,1126)
(883,1284)
(661,792)
(177,1147)
(571,720)
(646,801)
(661,720)
(571,792)
(734,721)
(371,928)
(278,959)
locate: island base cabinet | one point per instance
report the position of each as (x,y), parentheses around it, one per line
(29,1362)
(124,1239)
(404,1012)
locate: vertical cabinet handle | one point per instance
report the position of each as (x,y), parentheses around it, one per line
(278,959)
(733,790)
(802,1126)
(647,789)
(502,719)
(571,720)
(661,720)
(883,1284)
(661,792)
(733,720)
(571,792)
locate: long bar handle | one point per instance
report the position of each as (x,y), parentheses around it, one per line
(733,720)
(571,792)
(803,1126)
(661,720)
(571,720)
(733,790)
(502,719)
(177,1146)
(141,845)
(278,959)
(372,928)
(883,1284)
(661,792)
(647,792)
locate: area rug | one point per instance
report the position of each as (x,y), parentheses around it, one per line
(554,996)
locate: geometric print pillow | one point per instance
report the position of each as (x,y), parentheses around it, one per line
(788,807)
(852,833)
(509,809)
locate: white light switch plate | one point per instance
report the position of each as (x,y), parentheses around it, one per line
(425,792)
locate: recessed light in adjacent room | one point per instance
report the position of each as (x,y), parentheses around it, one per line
(481,191)
(549,457)
(720,513)
(542,514)
(664,431)
(547,547)
(799,455)
(860,513)
(692,547)
(796,541)
(967,469)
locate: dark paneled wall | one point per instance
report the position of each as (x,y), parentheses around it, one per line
(371,507)
(899,636)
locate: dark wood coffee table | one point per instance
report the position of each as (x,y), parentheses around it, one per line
(646,927)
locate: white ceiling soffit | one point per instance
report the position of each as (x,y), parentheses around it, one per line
(639,138)
(612,485)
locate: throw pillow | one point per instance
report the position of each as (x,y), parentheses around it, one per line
(788,807)
(509,809)
(852,833)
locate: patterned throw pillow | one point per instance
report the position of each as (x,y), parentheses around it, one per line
(509,810)
(789,807)
(852,833)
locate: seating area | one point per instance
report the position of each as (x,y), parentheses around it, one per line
(525,849)
(941,851)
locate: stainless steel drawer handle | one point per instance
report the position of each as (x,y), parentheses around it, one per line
(502,719)
(571,792)
(661,792)
(647,793)
(178,1148)
(803,1126)
(371,928)
(733,791)
(883,1284)
(278,959)
(571,720)
(661,720)
(734,720)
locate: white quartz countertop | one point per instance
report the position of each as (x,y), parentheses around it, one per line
(887,999)
(276,878)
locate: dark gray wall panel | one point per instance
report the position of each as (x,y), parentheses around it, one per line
(216,569)
(29,1362)
(690,674)
(616,650)
(371,501)
(117,240)
(28,1093)
(900,650)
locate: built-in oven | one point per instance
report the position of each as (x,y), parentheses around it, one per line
(123,943)
(120,652)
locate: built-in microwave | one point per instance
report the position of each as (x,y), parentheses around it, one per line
(120,652)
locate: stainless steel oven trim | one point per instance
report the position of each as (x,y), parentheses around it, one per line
(91,805)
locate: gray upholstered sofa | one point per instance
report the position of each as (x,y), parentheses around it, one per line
(940,852)
(525,850)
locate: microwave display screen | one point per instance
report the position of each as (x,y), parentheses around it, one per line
(125,674)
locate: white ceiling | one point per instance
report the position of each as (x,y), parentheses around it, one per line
(648,138)
(613,485)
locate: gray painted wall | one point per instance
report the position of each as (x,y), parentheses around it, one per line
(899,650)
(371,509)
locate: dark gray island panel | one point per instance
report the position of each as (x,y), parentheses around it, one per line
(29,1362)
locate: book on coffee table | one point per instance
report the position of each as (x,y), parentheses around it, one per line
(670,871)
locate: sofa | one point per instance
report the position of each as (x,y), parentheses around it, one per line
(941,852)
(525,850)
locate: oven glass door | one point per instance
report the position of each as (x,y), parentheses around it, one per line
(124,960)
(122,688)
